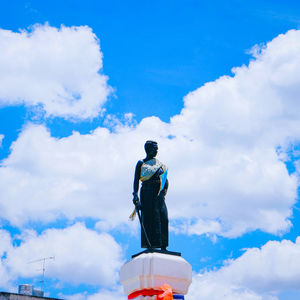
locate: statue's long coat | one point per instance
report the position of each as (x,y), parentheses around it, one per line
(154,213)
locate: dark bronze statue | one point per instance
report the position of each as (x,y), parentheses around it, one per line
(154,214)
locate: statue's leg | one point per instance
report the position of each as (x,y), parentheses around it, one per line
(164,221)
(144,215)
(149,216)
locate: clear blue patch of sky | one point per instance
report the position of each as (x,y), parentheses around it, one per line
(11,123)
(289,295)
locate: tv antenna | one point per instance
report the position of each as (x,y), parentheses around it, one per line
(43,268)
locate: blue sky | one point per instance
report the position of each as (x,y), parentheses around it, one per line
(74,117)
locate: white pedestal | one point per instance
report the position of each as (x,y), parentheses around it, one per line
(152,270)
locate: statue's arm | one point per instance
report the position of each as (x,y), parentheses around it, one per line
(165,189)
(137,175)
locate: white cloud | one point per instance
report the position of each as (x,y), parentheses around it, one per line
(208,287)
(226,169)
(274,267)
(57,69)
(260,274)
(5,246)
(81,256)
(1,139)
(233,127)
(74,176)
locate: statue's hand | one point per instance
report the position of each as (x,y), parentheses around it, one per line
(136,201)
(135,198)
(138,205)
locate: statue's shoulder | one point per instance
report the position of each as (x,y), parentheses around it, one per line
(139,163)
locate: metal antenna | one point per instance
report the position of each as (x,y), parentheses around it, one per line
(43,269)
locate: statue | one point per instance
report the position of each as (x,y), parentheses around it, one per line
(154,214)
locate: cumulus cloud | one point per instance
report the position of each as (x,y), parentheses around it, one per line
(208,287)
(225,152)
(77,179)
(55,69)
(5,246)
(82,256)
(258,274)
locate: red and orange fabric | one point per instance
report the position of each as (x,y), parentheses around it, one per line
(164,293)
(167,293)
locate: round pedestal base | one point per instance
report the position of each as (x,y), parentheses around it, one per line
(153,270)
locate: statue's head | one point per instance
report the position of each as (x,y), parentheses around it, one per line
(151,148)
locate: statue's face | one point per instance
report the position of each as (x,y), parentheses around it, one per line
(152,150)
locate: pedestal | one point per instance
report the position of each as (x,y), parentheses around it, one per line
(150,271)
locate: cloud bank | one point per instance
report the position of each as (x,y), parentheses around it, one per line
(258,274)
(82,256)
(54,70)
(226,153)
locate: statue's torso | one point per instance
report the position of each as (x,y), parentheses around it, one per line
(153,172)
